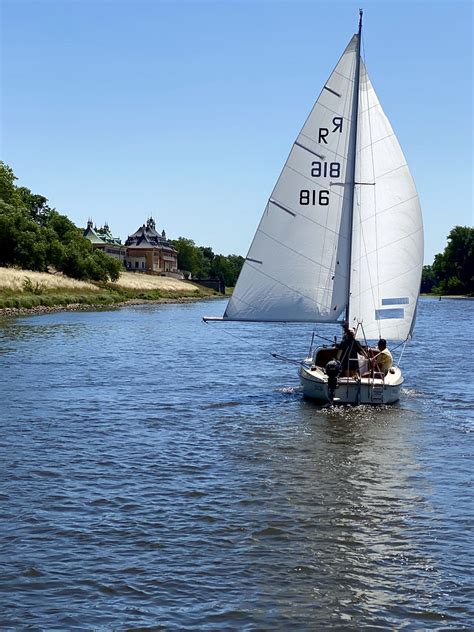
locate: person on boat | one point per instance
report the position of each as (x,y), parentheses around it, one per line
(349,350)
(382,360)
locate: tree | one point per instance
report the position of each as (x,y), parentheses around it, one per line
(8,190)
(454,268)
(35,236)
(36,205)
(428,280)
(187,257)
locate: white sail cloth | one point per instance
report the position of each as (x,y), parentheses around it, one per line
(387,240)
(296,268)
(315,237)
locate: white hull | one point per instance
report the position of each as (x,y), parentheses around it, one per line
(351,390)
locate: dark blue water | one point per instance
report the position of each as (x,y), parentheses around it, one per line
(160,473)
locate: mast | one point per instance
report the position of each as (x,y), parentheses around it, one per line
(353,153)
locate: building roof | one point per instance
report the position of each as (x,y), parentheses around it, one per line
(100,235)
(148,237)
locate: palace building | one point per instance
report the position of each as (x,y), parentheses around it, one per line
(146,250)
(102,239)
(150,251)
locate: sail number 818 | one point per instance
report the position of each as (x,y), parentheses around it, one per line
(325,169)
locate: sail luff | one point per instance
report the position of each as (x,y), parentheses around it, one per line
(353,154)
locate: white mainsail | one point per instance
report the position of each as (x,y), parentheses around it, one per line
(387,237)
(296,268)
(338,237)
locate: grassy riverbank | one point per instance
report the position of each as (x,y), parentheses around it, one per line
(26,290)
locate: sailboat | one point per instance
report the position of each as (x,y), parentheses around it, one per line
(340,240)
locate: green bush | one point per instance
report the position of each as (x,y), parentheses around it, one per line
(32,287)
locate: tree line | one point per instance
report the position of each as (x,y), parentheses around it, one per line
(202,263)
(35,236)
(452,271)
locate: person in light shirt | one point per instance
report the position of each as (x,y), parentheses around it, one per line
(382,361)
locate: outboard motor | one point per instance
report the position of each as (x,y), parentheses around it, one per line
(333,370)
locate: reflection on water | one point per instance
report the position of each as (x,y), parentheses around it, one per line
(165,474)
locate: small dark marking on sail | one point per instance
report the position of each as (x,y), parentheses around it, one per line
(332,91)
(310,150)
(283,208)
(253,260)
(342,184)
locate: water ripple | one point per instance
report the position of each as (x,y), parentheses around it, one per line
(159,478)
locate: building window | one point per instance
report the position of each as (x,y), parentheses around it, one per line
(136,264)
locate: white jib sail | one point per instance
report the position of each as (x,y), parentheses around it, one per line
(296,268)
(387,247)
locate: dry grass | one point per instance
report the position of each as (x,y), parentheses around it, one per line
(13,279)
(137,281)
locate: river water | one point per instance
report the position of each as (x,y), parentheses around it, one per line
(159,473)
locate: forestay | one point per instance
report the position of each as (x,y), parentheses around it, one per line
(296,268)
(387,247)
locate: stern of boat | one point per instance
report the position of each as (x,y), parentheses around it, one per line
(351,390)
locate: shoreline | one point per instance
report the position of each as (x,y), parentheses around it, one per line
(40,310)
(451,297)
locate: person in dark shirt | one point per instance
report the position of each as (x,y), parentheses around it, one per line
(349,348)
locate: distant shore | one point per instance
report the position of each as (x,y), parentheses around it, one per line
(38,310)
(449,296)
(24,292)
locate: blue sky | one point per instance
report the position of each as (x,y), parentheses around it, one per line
(186,110)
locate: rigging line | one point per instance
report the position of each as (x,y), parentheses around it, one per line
(403,351)
(251,344)
(323,337)
(365,338)
(277,356)
(409,271)
(398,276)
(391,243)
(403,342)
(382,175)
(372,106)
(389,208)
(379,140)
(297,252)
